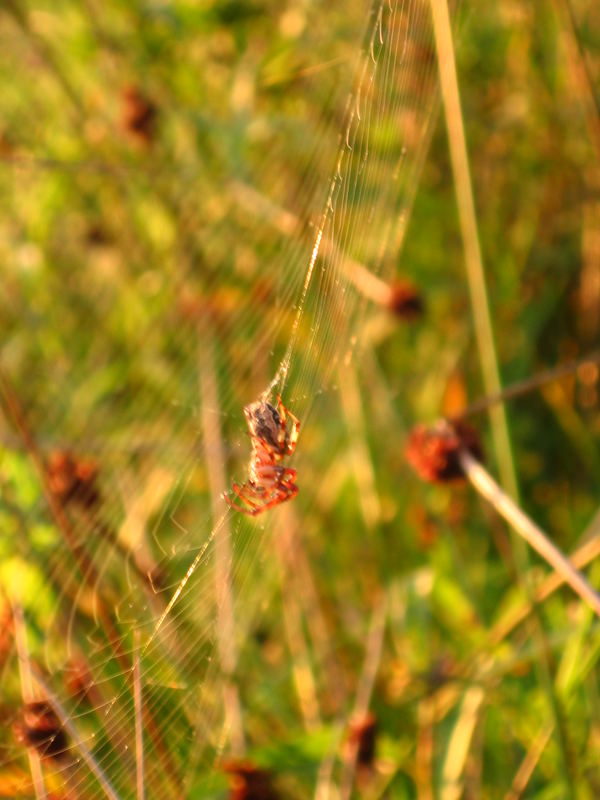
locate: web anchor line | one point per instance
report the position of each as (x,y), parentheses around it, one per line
(353,114)
(182,583)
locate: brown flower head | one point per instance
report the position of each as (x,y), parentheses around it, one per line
(248,782)
(405,300)
(73,480)
(433,452)
(138,115)
(40,728)
(363,735)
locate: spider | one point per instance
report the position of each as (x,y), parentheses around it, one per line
(269,483)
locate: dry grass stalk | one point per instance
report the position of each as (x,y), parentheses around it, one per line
(528,384)
(579,558)
(401,298)
(298,647)
(363,694)
(89,574)
(27,693)
(482,319)
(74,736)
(460,744)
(139,726)
(529,763)
(481,480)
(424,754)
(215,461)
(470,236)
(292,595)
(300,577)
(364,472)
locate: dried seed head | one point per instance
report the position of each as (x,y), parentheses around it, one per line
(73,480)
(248,782)
(40,728)
(363,735)
(405,300)
(433,452)
(138,115)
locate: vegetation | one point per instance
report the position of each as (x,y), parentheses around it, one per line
(165,172)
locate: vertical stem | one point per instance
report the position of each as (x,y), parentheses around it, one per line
(301,582)
(303,676)
(529,763)
(365,689)
(215,461)
(483,326)
(139,727)
(470,237)
(459,744)
(78,742)
(363,467)
(27,693)
(87,569)
(525,527)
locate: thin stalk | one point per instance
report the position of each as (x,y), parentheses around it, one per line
(299,570)
(579,558)
(460,743)
(90,575)
(215,461)
(78,742)
(139,725)
(528,384)
(298,646)
(365,690)
(27,693)
(483,327)
(424,754)
(364,472)
(583,80)
(366,282)
(470,236)
(482,481)
(529,763)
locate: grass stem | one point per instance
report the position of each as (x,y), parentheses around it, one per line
(215,466)
(139,726)
(470,237)
(28,695)
(482,481)
(78,742)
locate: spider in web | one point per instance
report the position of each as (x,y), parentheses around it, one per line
(269,483)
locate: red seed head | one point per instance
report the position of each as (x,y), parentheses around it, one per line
(248,782)
(73,480)
(138,115)
(405,300)
(40,728)
(363,735)
(433,452)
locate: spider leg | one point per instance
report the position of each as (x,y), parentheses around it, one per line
(275,473)
(282,494)
(292,438)
(245,494)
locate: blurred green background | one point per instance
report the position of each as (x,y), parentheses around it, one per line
(164,171)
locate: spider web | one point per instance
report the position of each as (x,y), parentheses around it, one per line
(156,289)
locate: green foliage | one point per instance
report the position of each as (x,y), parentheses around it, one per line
(137,277)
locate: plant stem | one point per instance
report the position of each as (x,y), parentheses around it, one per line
(28,695)
(479,477)
(139,726)
(470,237)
